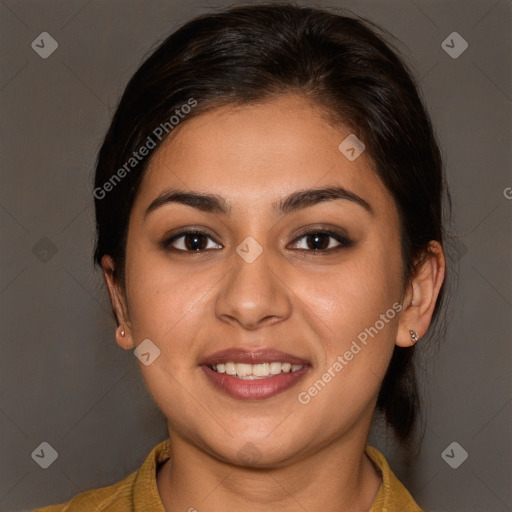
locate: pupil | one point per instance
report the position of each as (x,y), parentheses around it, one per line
(316,238)
(192,246)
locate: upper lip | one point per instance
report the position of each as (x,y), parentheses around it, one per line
(251,356)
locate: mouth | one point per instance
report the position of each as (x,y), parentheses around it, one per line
(253,374)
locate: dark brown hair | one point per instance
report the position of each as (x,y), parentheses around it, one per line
(248,54)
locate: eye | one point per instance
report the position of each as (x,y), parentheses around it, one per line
(319,240)
(315,241)
(192,241)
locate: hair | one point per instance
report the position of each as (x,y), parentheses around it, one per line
(248,54)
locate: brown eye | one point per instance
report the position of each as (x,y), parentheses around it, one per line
(321,240)
(191,241)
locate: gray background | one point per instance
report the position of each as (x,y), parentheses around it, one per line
(64,380)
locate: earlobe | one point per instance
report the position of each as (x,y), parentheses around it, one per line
(123,339)
(123,332)
(414,336)
(421,297)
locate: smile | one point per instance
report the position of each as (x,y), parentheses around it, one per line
(253,374)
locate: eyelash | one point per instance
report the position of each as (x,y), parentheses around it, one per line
(343,240)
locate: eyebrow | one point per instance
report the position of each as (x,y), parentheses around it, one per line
(213,203)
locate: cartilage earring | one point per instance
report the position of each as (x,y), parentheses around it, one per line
(414,336)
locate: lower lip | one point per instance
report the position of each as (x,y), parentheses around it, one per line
(255,389)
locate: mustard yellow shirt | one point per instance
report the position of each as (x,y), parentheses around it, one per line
(138,492)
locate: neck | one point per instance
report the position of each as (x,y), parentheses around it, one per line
(337,476)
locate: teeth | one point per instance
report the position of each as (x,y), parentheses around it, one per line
(242,370)
(260,370)
(256,371)
(230,368)
(285,367)
(275,368)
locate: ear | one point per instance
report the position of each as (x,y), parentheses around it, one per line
(118,300)
(421,295)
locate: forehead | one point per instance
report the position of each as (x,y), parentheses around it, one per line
(256,153)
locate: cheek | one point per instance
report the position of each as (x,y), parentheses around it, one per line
(168,306)
(168,303)
(359,303)
(351,296)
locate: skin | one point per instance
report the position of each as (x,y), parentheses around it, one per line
(309,457)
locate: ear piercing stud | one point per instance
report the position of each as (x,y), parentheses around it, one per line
(122,333)
(414,336)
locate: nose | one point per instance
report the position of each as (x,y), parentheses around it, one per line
(254,293)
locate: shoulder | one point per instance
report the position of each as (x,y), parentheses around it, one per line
(112,498)
(139,488)
(392,495)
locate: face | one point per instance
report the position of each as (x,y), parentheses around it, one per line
(318,278)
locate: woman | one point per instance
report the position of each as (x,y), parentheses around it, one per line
(269,218)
